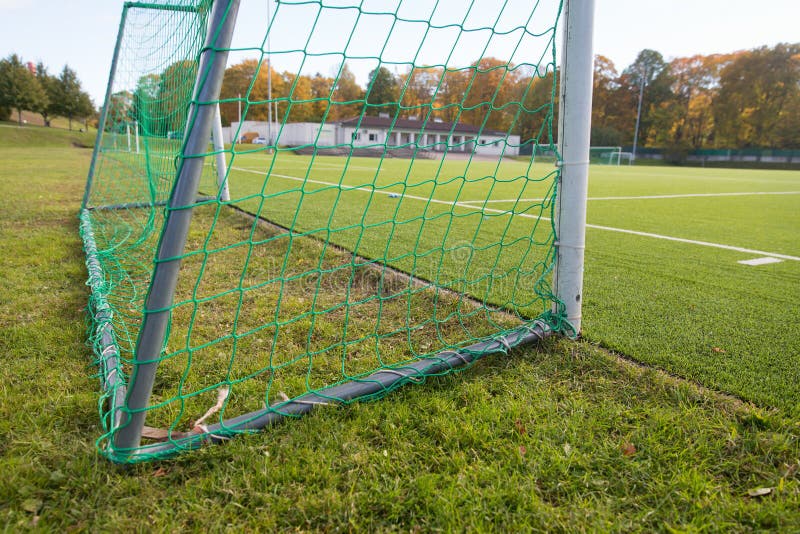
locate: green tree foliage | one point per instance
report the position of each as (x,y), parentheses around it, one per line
(382,92)
(19,88)
(71,101)
(145,108)
(649,76)
(175,87)
(50,85)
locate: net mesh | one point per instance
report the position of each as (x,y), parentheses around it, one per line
(381,217)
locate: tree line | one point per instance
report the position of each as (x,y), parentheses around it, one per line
(739,100)
(488,93)
(747,99)
(23,88)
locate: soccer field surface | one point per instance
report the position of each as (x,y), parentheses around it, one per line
(663,280)
(564,436)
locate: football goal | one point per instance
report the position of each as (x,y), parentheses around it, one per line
(380,230)
(605,155)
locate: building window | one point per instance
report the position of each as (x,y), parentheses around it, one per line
(356,136)
(373,137)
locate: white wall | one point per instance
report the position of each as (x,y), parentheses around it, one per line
(361,137)
(259,127)
(492,145)
(305,133)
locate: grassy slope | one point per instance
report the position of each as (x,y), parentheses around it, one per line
(564,438)
(14,136)
(35,119)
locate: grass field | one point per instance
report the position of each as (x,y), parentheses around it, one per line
(685,306)
(565,437)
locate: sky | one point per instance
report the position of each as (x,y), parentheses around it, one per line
(81,33)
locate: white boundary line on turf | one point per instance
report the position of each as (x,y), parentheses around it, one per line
(646,197)
(693,242)
(529,216)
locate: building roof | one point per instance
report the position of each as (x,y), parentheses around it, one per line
(431,126)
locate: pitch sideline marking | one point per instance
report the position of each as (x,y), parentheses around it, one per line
(647,197)
(527,215)
(760,261)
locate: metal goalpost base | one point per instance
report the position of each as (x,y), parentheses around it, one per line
(129,405)
(376,383)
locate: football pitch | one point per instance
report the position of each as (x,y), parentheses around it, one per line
(562,437)
(665,282)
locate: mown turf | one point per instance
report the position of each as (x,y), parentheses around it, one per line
(687,308)
(565,438)
(41,137)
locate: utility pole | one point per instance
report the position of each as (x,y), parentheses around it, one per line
(638,114)
(269,79)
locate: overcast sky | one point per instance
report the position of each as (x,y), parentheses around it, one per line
(81,33)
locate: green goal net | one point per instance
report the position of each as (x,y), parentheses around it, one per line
(305,203)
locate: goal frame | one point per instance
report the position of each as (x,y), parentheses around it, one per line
(129,401)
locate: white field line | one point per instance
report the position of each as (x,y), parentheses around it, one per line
(646,197)
(693,242)
(529,216)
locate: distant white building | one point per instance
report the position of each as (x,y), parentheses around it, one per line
(289,134)
(377,132)
(434,135)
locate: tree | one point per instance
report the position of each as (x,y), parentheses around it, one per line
(536,124)
(449,98)
(320,91)
(685,122)
(301,109)
(382,92)
(144,106)
(606,127)
(50,85)
(175,86)
(641,74)
(235,85)
(757,94)
(120,109)
(347,97)
(72,102)
(492,95)
(19,88)
(417,88)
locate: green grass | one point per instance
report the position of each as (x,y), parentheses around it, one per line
(16,136)
(563,438)
(689,309)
